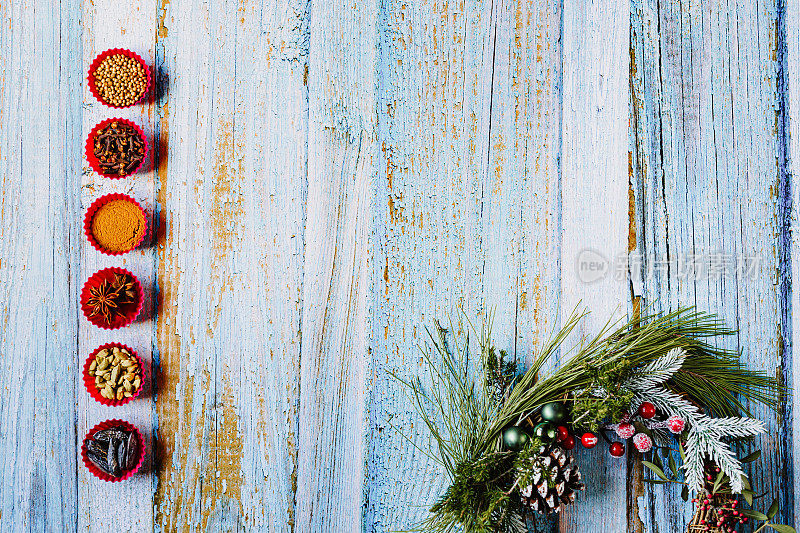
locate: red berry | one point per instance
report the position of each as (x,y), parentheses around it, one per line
(589,440)
(616,449)
(568,443)
(647,410)
(563,433)
(676,424)
(625,430)
(642,442)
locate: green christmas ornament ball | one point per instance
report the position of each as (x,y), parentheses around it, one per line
(515,438)
(555,412)
(545,431)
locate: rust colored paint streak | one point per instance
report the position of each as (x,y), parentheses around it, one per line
(226,200)
(635,471)
(171,509)
(631,206)
(225,220)
(499,160)
(161,28)
(167,375)
(636,108)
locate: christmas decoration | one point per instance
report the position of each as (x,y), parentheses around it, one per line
(515,438)
(625,430)
(647,410)
(545,431)
(616,449)
(642,442)
(676,424)
(655,380)
(554,412)
(589,440)
(552,480)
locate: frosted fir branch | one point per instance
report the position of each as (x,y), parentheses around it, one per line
(705,440)
(658,371)
(667,401)
(733,427)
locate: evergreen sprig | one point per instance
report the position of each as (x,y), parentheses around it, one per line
(466,411)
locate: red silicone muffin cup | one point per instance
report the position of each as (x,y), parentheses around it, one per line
(105,425)
(89,380)
(95,164)
(97,204)
(90,80)
(133,310)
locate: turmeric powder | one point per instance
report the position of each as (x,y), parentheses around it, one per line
(118,225)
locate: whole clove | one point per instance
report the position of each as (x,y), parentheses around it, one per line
(113,450)
(118,148)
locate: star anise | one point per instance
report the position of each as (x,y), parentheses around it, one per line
(108,298)
(124,285)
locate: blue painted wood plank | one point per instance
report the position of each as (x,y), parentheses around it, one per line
(40,164)
(107,24)
(709,193)
(231,193)
(594,217)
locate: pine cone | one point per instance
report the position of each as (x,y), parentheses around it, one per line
(554,479)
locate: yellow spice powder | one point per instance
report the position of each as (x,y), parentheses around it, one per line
(118,225)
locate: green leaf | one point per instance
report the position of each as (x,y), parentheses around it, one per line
(752,513)
(718,482)
(657,470)
(774,508)
(657,461)
(685,493)
(750,458)
(780,528)
(673,466)
(748,496)
(683,453)
(657,482)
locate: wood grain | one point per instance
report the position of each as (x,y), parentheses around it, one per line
(114,26)
(594,214)
(232,199)
(711,193)
(789,52)
(40,147)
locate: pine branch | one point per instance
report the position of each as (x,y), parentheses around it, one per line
(657,372)
(705,440)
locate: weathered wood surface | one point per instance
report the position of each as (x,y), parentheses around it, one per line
(330,177)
